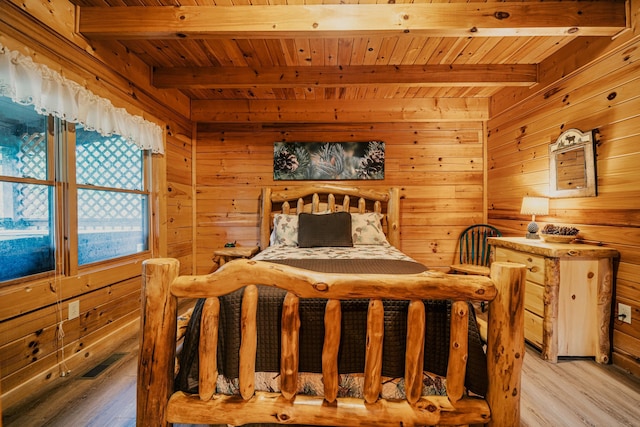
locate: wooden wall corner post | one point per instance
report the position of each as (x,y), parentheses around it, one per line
(505,343)
(158,320)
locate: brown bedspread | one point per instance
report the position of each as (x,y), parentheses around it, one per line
(352,344)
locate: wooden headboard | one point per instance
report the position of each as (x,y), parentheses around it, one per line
(334,198)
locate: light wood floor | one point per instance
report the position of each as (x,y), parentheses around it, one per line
(570,393)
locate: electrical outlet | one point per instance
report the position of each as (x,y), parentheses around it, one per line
(74,309)
(624,312)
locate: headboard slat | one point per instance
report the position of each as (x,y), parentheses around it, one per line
(249,342)
(458,350)
(208,348)
(331,346)
(331,203)
(373,355)
(414,359)
(346,203)
(290,344)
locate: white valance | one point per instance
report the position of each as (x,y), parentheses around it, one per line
(28,83)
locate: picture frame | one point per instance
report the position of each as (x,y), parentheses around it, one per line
(328,160)
(572,166)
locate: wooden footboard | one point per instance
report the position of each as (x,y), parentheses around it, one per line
(157,405)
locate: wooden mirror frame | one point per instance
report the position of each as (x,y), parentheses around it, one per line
(572,166)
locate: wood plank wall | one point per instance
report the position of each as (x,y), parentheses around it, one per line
(180,198)
(439,168)
(30,317)
(604,96)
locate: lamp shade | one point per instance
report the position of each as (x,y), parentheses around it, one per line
(535,206)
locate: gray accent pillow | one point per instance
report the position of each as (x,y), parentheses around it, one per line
(332,229)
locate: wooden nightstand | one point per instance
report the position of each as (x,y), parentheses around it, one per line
(222,255)
(568,295)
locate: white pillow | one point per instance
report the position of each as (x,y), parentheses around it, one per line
(366,229)
(285,230)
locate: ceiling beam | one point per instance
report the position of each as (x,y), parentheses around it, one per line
(332,111)
(499,19)
(314,76)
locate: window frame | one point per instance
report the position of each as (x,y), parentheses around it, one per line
(50,181)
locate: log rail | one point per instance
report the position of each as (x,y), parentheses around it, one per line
(157,404)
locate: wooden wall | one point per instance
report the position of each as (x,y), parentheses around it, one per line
(604,95)
(438,167)
(179,193)
(30,342)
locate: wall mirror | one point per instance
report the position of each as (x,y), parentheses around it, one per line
(572,167)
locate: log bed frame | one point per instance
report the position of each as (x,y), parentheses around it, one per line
(159,405)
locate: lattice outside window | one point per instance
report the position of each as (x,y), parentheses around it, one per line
(112,204)
(26,189)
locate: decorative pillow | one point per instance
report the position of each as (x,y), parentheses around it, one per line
(367,229)
(285,230)
(332,229)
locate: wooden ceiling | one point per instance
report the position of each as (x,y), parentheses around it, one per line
(337,51)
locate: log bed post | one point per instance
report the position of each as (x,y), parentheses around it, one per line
(505,343)
(265,217)
(208,357)
(158,322)
(393,217)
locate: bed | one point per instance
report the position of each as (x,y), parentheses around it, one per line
(330,291)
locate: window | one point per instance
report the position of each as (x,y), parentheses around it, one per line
(112,204)
(26,190)
(58,179)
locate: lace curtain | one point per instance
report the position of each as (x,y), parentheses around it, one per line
(28,83)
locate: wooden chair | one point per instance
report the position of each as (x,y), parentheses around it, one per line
(474,252)
(474,258)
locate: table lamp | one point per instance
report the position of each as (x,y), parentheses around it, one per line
(534,206)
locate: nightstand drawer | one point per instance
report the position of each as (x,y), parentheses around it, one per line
(533,298)
(533,329)
(534,263)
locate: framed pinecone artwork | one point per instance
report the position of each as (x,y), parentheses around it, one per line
(328,160)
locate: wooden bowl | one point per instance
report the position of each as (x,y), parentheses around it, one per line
(557,238)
